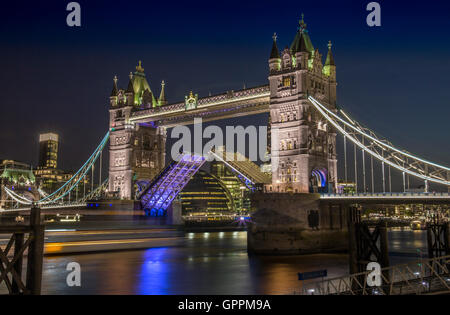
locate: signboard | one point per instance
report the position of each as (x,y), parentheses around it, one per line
(312,275)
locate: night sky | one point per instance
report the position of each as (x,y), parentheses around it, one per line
(394,79)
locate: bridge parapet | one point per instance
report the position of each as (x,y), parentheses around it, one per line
(171,108)
(228,97)
(232,95)
(387,198)
(405,194)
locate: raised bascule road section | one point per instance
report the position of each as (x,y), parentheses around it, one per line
(158,196)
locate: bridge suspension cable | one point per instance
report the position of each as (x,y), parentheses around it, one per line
(78,176)
(384,151)
(96,193)
(68,186)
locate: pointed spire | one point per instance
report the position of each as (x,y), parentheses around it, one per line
(115,89)
(162,97)
(302,24)
(302,42)
(302,47)
(130,88)
(330,59)
(275,54)
(139,67)
(329,69)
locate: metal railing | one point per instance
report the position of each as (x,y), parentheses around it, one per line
(25,239)
(426,276)
(387,195)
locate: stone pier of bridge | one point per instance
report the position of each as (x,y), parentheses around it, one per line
(287,223)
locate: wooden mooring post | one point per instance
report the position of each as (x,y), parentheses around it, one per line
(25,238)
(366,245)
(438,237)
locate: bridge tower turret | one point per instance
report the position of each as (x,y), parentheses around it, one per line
(137,151)
(275,60)
(303,146)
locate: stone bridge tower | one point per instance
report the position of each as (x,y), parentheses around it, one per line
(303,145)
(137,151)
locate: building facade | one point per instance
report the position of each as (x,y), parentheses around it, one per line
(303,146)
(239,192)
(48,150)
(48,177)
(18,177)
(205,196)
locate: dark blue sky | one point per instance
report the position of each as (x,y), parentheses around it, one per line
(394,79)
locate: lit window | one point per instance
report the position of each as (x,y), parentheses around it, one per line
(287,82)
(289,145)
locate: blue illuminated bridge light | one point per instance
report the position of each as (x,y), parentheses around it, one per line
(159,194)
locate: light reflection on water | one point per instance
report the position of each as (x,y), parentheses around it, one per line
(206,263)
(154,272)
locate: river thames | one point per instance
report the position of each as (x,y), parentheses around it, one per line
(206,263)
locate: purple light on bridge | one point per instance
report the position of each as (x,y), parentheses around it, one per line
(170,183)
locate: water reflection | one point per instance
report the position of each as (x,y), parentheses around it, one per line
(154,272)
(206,263)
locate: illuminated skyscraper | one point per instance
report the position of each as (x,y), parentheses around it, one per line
(48,150)
(206,196)
(238,191)
(48,176)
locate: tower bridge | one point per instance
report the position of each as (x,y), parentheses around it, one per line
(305,121)
(303,146)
